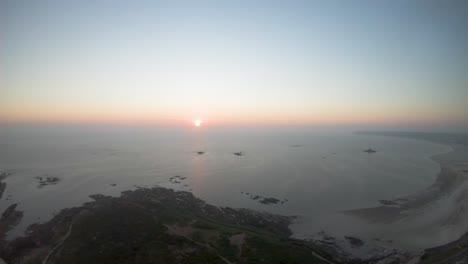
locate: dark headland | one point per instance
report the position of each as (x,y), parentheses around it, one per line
(157,225)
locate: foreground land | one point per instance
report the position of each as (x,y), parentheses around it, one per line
(158,225)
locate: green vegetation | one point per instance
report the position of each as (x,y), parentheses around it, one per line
(158,226)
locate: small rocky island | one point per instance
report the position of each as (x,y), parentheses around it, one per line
(177,179)
(47,180)
(264,200)
(370,151)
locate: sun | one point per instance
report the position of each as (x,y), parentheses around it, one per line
(197,123)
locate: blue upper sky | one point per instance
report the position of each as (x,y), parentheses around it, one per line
(363,62)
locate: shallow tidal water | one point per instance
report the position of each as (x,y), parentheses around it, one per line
(316,173)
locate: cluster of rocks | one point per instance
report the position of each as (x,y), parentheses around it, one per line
(177,179)
(264,200)
(3,175)
(239,153)
(47,180)
(351,249)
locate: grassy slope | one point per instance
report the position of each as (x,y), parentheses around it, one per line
(134,229)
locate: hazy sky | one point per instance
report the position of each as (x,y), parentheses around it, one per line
(229,62)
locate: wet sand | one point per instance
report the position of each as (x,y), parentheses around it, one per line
(449,179)
(438,212)
(452,175)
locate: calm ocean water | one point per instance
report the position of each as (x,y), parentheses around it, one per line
(326,173)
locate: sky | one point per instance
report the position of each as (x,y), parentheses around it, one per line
(402,63)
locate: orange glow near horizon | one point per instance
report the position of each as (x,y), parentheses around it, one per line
(229,119)
(171,64)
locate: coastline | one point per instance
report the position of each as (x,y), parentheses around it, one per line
(447,180)
(451,176)
(449,192)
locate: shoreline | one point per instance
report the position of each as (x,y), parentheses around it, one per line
(443,202)
(447,180)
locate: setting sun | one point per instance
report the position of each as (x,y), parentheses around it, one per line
(197,123)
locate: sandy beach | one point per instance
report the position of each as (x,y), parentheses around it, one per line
(451,178)
(439,210)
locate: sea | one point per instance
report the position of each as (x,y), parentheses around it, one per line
(316,174)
